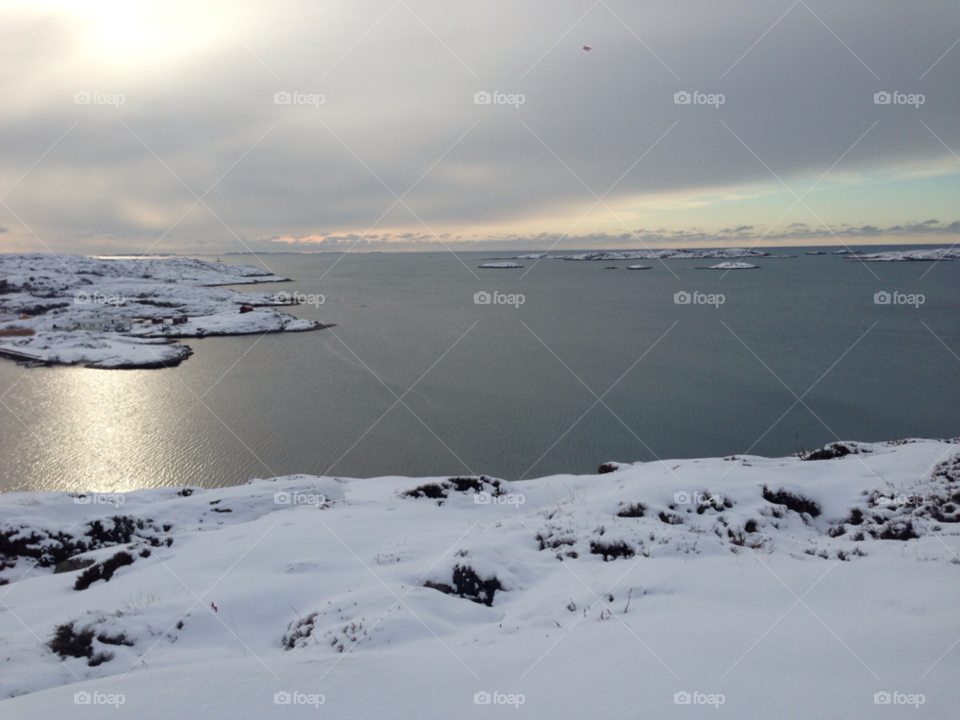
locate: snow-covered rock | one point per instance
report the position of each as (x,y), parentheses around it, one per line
(732,266)
(934,255)
(501,265)
(101,311)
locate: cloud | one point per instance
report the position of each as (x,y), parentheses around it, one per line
(398,152)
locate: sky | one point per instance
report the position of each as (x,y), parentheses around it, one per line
(161,127)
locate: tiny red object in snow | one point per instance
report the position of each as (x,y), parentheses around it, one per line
(213,606)
(587,48)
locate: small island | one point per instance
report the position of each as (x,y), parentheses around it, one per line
(500,266)
(730,266)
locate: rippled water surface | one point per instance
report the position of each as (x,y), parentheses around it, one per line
(596,365)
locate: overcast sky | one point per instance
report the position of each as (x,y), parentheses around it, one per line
(187,149)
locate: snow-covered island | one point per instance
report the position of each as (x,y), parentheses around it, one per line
(639,267)
(730,266)
(500,265)
(721,253)
(935,255)
(127,313)
(794,587)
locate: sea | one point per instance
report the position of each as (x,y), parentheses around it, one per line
(435,367)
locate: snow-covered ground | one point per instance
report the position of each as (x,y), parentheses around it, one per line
(501,265)
(68,300)
(764,588)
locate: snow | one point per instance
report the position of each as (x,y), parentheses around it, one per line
(732,266)
(784,614)
(639,267)
(910,255)
(501,265)
(59,293)
(720,253)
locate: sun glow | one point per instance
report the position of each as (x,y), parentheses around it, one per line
(135,32)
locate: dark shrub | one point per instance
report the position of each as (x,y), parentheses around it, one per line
(611,551)
(467,584)
(827,452)
(66,642)
(434,491)
(120,639)
(633,510)
(797,503)
(103,571)
(899,530)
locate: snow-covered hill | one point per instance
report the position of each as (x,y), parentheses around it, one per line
(791,587)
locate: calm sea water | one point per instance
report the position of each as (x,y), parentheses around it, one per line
(510,392)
